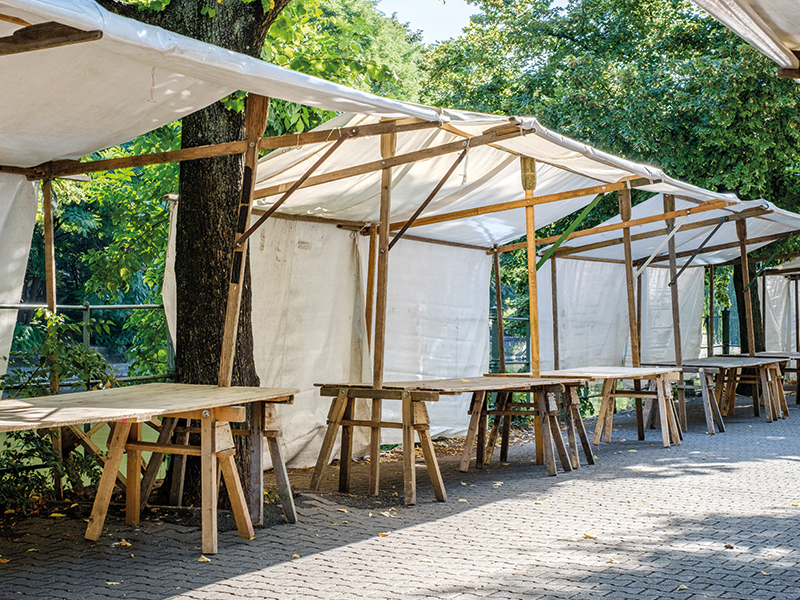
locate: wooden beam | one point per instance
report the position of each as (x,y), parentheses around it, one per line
(528,175)
(370,303)
(784,73)
(70,167)
(669,206)
(498,300)
(49,246)
(256,113)
(528,201)
(396,161)
(388,149)
(43,36)
(625,214)
(554,291)
(741,233)
(797,323)
(711,205)
(710,343)
(729,245)
(416,238)
(14,20)
(429,199)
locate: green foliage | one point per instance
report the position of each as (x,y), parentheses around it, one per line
(56,352)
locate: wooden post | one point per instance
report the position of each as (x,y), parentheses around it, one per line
(256,496)
(796,321)
(764,307)
(669,206)
(49,246)
(370,304)
(388,148)
(528,175)
(498,300)
(208,482)
(554,289)
(256,114)
(741,232)
(625,213)
(711,311)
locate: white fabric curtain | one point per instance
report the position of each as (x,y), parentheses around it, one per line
(18,206)
(779,305)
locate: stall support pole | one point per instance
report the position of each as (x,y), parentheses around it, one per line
(528,174)
(710,341)
(256,113)
(633,321)
(498,299)
(669,206)
(797,339)
(554,288)
(388,149)
(741,232)
(370,303)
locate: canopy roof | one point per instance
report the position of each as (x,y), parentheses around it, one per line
(765,223)
(771,26)
(70,101)
(489,175)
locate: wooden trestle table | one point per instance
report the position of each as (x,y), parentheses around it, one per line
(126,408)
(786,356)
(414,395)
(661,398)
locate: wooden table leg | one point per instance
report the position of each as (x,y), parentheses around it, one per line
(338,406)
(706,403)
(233,484)
(500,404)
(569,420)
(672,416)
(480,452)
(555,432)
(422,426)
(475,414)
(116,449)
(409,462)
(256,492)
(208,482)
(765,391)
(612,406)
(346,450)
(605,406)
(637,387)
(662,411)
(375,448)
(781,393)
(179,468)
(134,490)
(547,439)
(576,414)
(273,435)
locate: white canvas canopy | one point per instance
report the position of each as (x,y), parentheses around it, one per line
(771,26)
(68,101)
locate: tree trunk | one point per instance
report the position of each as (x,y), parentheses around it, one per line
(209,196)
(755,302)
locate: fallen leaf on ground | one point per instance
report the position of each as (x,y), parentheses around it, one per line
(295,556)
(383,535)
(795,504)
(497,483)
(728,546)
(765,573)
(631,450)
(203,559)
(589,536)
(344,510)
(55,515)
(611,560)
(124,543)
(682,587)
(11,511)
(464,483)
(32,550)
(73,505)
(506,464)
(427,560)
(112,582)
(5,560)
(462,500)
(369,515)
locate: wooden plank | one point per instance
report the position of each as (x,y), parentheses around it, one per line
(476,407)
(575,403)
(49,246)
(554,296)
(555,432)
(388,149)
(533,301)
(208,485)
(633,330)
(741,233)
(282,478)
(546,437)
(233,484)
(669,206)
(14,20)
(178,471)
(706,206)
(729,245)
(157,458)
(346,448)
(714,404)
(710,351)
(600,373)
(256,113)
(480,443)
(105,489)
(234,414)
(409,459)
(569,421)
(370,303)
(43,36)
(706,403)
(662,412)
(338,406)
(498,300)
(255,500)
(134,466)
(428,451)
(396,161)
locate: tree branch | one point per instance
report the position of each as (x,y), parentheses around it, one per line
(131,11)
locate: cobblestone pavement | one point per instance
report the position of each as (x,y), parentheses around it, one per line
(713,518)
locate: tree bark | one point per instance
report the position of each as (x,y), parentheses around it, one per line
(209,196)
(755,303)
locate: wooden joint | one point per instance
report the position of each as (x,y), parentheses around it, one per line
(789,73)
(45,35)
(223,438)
(233,414)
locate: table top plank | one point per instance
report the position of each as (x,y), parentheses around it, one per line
(137,403)
(726,362)
(595,373)
(462,385)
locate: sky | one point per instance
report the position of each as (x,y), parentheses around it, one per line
(437,20)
